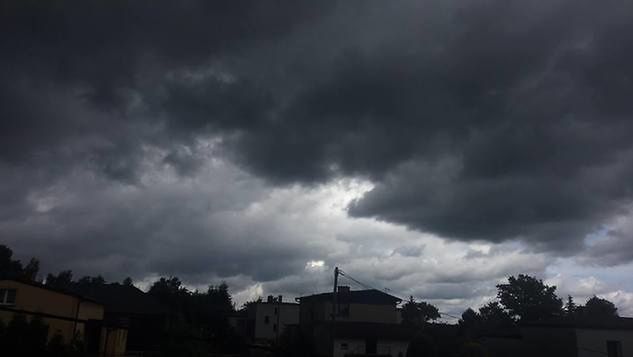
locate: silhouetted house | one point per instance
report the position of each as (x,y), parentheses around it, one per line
(265,321)
(67,314)
(609,337)
(367,323)
(144,317)
(566,338)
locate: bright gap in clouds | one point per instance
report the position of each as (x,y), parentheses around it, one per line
(315,265)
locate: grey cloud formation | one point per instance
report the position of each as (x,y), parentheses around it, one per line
(196,229)
(486,121)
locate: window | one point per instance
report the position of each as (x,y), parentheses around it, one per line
(276,311)
(275,327)
(344,346)
(266,319)
(7,296)
(343,310)
(614,349)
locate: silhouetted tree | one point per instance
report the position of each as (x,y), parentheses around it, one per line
(63,280)
(12,269)
(493,316)
(31,269)
(169,291)
(9,268)
(528,298)
(219,297)
(470,318)
(570,306)
(599,308)
(198,316)
(415,314)
(128,281)
(88,281)
(470,323)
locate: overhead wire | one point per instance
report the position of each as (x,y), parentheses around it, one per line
(367,286)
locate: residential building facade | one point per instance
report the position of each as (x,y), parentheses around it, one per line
(610,337)
(68,315)
(272,317)
(265,321)
(367,322)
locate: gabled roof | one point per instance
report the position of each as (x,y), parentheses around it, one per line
(371,296)
(124,299)
(56,290)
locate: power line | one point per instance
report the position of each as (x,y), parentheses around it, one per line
(367,286)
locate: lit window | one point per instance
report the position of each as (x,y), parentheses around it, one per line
(7,296)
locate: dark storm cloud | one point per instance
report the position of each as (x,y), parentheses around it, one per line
(89,56)
(490,120)
(195,231)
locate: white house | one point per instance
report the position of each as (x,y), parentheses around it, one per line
(269,318)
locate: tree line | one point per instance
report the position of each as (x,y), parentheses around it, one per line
(196,321)
(522,299)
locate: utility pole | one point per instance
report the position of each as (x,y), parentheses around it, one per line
(334,296)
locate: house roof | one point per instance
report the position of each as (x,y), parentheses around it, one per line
(59,291)
(371,296)
(118,298)
(616,323)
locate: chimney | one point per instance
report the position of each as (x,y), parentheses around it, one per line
(343,289)
(280,299)
(270,299)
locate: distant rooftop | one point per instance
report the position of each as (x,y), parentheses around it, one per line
(118,298)
(39,285)
(371,296)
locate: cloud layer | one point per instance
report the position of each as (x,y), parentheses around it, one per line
(204,140)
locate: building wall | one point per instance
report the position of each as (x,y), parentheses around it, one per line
(548,341)
(392,348)
(113,342)
(63,313)
(279,316)
(39,300)
(354,346)
(371,313)
(344,346)
(594,342)
(322,311)
(32,298)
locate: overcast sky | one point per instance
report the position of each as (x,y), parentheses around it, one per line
(429,147)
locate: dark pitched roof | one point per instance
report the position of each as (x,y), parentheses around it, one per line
(371,296)
(614,323)
(124,299)
(39,285)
